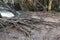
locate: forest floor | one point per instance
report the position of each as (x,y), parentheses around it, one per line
(31,26)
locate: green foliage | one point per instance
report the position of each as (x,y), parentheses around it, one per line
(57,9)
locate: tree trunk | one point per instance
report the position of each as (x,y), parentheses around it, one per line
(50,5)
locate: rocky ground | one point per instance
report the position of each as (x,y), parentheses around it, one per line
(31,26)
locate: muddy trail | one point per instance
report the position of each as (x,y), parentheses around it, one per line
(31,26)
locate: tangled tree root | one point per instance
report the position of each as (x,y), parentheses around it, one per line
(23,25)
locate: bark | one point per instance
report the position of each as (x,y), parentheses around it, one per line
(50,5)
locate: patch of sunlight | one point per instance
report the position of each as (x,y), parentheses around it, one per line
(6,14)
